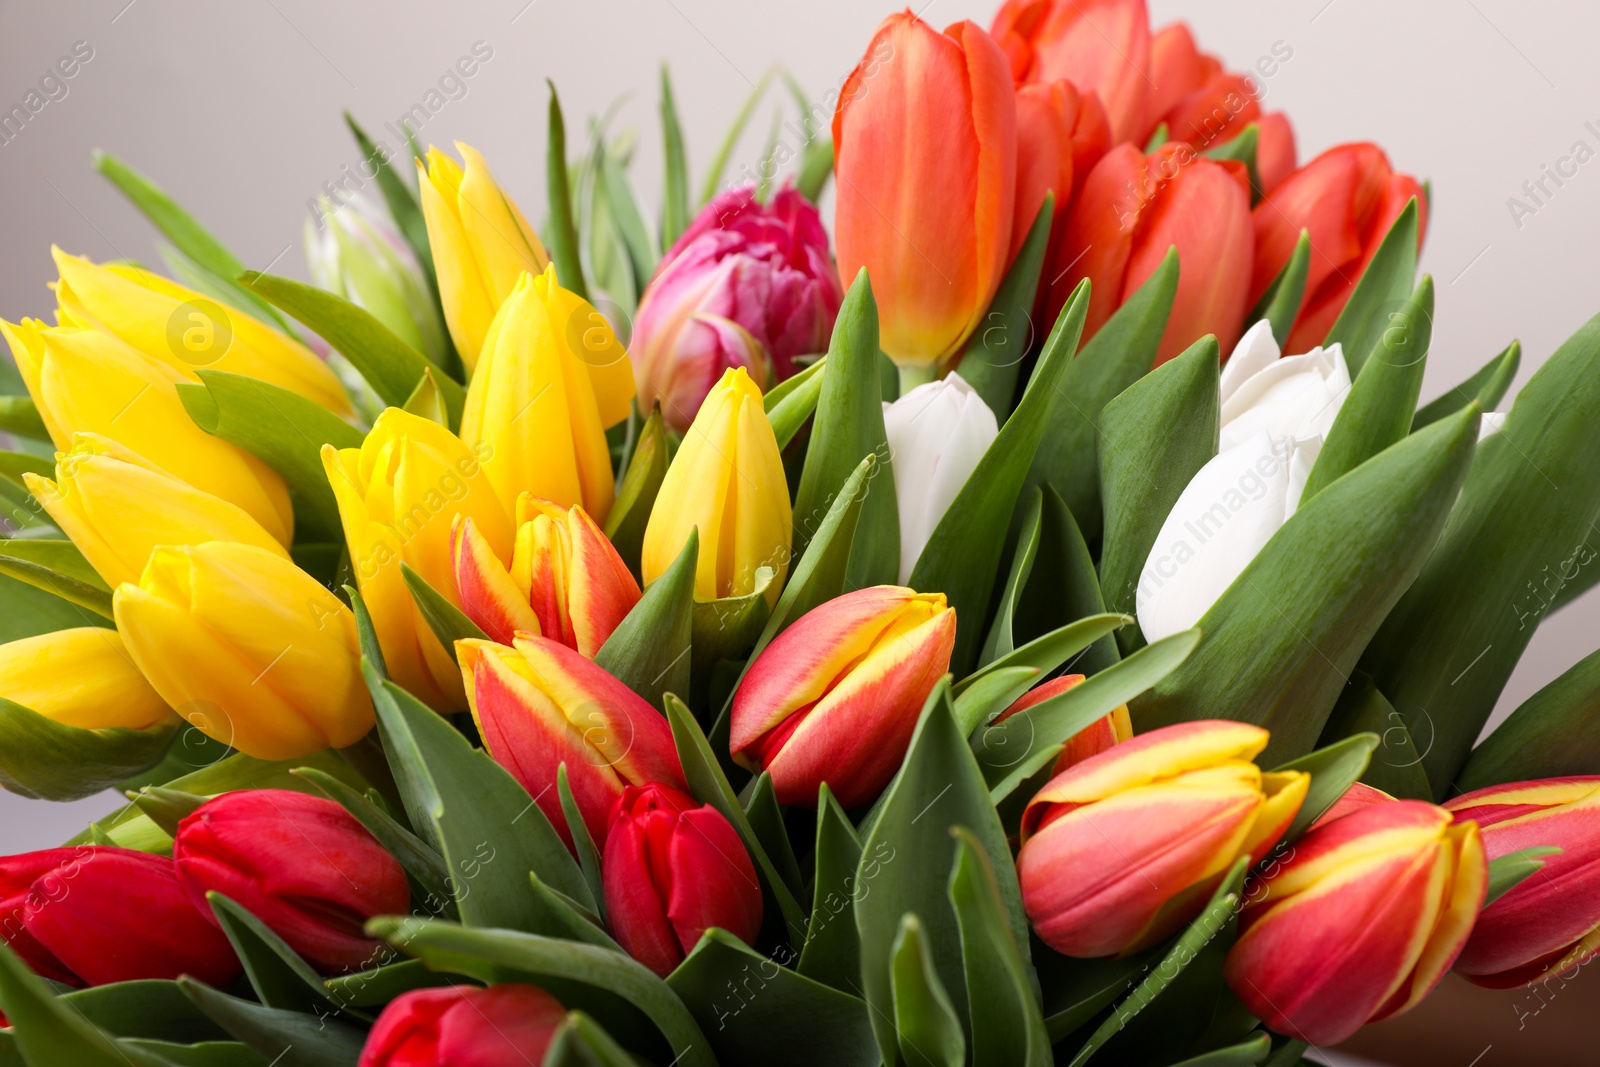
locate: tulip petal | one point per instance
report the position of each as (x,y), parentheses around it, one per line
(488,595)
(713,881)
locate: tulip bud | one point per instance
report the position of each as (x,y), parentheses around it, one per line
(1550,923)
(92,915)
(540,704)
(937,434)
(248,647)
(926,155)
(1101,46)
(481,244)
(1360,922)
(836,696)
(87,381)
(1177,68)
(462,1026)
(1294,396)
(1155,822)
(117,507)
(81,677)
(399,495)
(1275,149)
(1347,198)
(726,480)
(1092,740)
(1214,112)
(1046,157)
(673,870)
(1132,209)
(175,325)
(548,383)
(1359,795)
(354,250)
(566,581)
(747,285)
(303,865)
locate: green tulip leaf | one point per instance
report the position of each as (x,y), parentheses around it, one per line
(588,852)
(766,820)
(994,353)
(1488,386)
(791,402)
(277,973)
(1242,149)
(675,200)
(616,194)
(46,1029)
(832,951)
(56,567)
(1383,400)
(427,400)
(1396,766)
(1075,991)
(273,1032)
(398,196)
(636,492)
(13,465)
(48,760)
(1283,638)
(992,694)
(1511,870)
(962,557)
(1553,734)
(1280,304)
(377,986)
(1517,542)
(561,228)
(582,1042)
(754,1010)
(649,651)
(207,1054)
(1333,771)
(1154,437)
(1119,354)
(165,807)
(1383,288)
(927,1029)
(448,622)
(154,1009)
(1002,631)
(719,162)
(1050,651)
(1247,1053)
(20,417)
(1062,586)
(561,916)
(726,629)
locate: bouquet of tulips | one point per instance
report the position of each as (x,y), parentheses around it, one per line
(1041,628)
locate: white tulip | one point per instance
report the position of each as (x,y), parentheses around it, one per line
(1491,423)
(1297,396)
(937,434)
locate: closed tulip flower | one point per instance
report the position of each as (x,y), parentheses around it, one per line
(81,677)
(1549,923)
(92,915)
(1360,922)
(1092,740)
(747,285)
(1045,162)
(1275,150)
(184,329)
(540,704)
(87,381)
(1294,396)
(1347,198)
(551,377)
(399,495)
(301,864)
(836,696)
(566,581)
(354,250)
(672,870)
(481,244)
(117,507)
(1101,46)
(463,1026)
(1131,210)
(248,647)
(726,480)
(1123,849)
(926,157)
(937,434)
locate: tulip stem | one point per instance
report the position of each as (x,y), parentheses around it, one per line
(913,375)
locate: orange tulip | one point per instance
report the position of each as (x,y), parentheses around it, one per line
(1061,135)
(1347,198)
(1275,152)
(1177,68)
(1132,209)
(925,140)
(1101,46)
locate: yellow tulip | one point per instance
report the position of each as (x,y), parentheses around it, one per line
(81,678)
(481,244)
(185,329)
(87,381)
(118,507)
(545,389)
(727,479)
(398,495)
(248,647)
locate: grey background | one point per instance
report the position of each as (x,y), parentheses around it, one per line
(234,108)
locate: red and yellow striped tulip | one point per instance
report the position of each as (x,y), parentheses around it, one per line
(836,696)
(1132,209)
(1347,198)
(1101,46)
(926,159)
(399,495)
(1092,740)
(1124,848)
(566,581)
(81,677)
(540,704)
(727,481)
(1360,922)
(1551,922)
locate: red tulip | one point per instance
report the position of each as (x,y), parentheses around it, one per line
(1360,922)
(836,696)
(303,865)
(461,1026)
(1131,210)
(1347,198)
(672,870)
(1551,922)
(1092,740)
(92,914)
(1214,113)
(1177,68)
(926,160)
(1101,46)
(1275,151)
(1061,135)
(1358,796)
